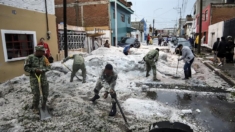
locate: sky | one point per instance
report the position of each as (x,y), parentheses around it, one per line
(161,10)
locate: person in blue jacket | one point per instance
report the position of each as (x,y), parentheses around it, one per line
(126,50)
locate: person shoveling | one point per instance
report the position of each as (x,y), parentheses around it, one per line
(37,65)
(107,80)
(150,59)
(188,57)
(78,63)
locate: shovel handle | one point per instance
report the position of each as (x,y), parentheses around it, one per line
(124,117)
(70,70)
(39,83)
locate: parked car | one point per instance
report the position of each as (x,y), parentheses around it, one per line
(182,41)
(128,41)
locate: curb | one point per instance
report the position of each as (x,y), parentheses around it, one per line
(226,78)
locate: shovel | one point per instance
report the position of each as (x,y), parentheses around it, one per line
(124,117)
(72,71)
(44,114)
(176,76)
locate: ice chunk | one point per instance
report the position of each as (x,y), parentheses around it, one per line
(187,111)
(198,110)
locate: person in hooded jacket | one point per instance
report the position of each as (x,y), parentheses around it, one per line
(188,57)
(229,50)
(221,51)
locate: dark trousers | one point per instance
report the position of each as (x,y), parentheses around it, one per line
(187,69)
(229,58)
(147,42)
(126,53)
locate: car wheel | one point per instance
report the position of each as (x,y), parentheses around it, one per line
(137,45)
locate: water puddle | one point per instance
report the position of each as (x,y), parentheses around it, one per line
(217,115)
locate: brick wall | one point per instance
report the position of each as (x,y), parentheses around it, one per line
(93,14)
(96,15)
(222,12)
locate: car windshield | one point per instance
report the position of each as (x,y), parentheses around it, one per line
(128,40)
(181,39)
(185,43)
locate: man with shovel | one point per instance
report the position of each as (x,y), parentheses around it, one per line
(78,63)
(107,80)
(37,65)
(188,57)
(150,59)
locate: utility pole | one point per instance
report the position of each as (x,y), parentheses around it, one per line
(200,28)
(116,35)
(153,28)
(180,22)
(65,28)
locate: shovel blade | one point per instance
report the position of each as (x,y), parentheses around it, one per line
(44,114)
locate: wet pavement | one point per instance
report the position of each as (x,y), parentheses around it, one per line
(217,114)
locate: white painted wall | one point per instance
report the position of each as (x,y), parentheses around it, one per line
(140,38)
(217,29)
(33,5)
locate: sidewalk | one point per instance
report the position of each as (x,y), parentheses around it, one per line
(227,71)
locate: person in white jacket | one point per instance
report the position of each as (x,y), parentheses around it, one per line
(188,57)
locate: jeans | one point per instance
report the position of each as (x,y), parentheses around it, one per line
(187,69)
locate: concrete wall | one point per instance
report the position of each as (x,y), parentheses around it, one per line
(215,31)
(28,21)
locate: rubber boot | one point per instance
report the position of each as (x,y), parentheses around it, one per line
(44,105)
(35,108)
(96,96)
(113,110)
(155,78)
(147,74)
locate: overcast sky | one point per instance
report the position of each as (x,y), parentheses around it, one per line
(161,10)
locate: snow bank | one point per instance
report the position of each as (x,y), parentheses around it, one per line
(71,109)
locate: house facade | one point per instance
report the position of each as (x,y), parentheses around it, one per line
(124,12)
(214,13)
(22,24)
(96,15)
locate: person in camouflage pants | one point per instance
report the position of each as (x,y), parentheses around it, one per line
(107,80)
(38,64)
(150,59)
(78,63)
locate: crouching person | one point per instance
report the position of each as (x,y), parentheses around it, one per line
(107,80)
(37,65)
(78,63)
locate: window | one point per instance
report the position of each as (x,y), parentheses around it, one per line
(123,17)
(17,45)
(129,20)
(113,14)
(206,15)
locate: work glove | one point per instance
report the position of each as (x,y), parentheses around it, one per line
(105,95)
(38,72)
(113,93)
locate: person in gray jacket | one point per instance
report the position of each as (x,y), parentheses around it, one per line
(188,57)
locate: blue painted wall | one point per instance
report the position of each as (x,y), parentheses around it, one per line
(122,26)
